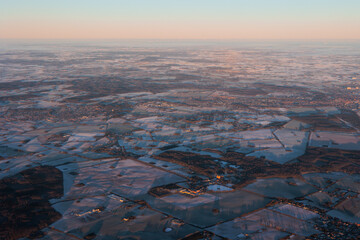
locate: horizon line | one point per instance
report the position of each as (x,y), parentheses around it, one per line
(192,39)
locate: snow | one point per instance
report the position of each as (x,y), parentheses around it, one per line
(218,188)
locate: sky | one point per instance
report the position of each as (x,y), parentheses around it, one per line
(180,19)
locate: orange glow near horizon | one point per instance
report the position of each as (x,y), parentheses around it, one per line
(51,30)
(160,19)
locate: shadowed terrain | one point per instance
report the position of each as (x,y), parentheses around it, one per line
(24,197)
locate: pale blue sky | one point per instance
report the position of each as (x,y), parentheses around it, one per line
(229,19)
